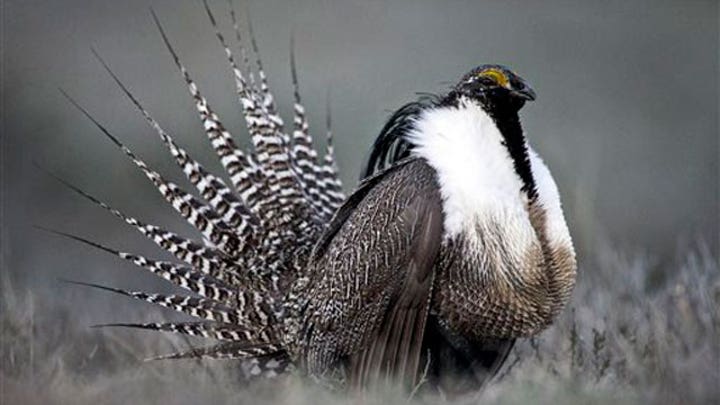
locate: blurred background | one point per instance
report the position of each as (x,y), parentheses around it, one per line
(626,115)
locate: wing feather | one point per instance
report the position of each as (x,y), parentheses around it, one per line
(374,278)
(395,353)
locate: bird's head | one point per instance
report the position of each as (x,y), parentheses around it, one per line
(495,87)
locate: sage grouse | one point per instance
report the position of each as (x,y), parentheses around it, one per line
(452,246)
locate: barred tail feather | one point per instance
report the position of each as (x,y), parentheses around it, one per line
(202,308)
(205,329)
(249,299)
(212,188)
(243,172)
(303,153)
(182,276)
(228,351)
(270,142)
(286,183)
(246,308)
(206,259)
(200,215)
(330,184)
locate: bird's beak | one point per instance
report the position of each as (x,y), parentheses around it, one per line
(525,93)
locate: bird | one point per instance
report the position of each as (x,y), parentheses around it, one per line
(452,245)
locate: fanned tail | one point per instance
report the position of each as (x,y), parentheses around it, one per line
(212,188)
(202,216)
(285,203)
(257,232)
(243,172)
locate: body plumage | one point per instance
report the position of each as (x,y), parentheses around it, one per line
(461,232)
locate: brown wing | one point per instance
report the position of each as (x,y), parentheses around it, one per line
(371,293)
(394,349)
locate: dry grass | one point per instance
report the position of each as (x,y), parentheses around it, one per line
(634,333)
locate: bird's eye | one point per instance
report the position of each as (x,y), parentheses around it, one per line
(486,81)
(493,77)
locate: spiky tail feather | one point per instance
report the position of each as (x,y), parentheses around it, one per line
(257,233)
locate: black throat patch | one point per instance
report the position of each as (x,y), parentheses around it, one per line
(508,123)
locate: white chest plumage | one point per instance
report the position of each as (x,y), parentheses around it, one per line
(478,181)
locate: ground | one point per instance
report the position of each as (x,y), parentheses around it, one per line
(634,332)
